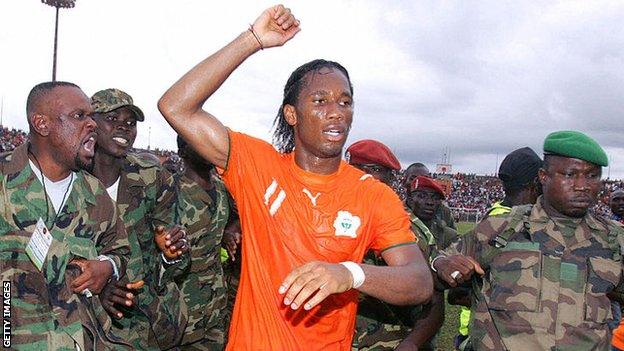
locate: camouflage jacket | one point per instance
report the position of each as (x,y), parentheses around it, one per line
(204,215)
(445,215)
(546,281)
(45,313)
(147,197)
(443,234)
(382,326)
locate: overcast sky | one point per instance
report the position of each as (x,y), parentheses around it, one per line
(477,78)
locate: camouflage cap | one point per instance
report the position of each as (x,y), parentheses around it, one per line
(111,99)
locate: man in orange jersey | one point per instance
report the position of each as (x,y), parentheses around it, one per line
(307,217)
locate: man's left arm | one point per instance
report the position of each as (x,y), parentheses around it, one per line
(396,243)
(394,283)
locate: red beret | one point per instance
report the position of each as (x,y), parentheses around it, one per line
(426,182)
(371,152)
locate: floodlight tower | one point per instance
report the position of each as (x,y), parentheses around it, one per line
(66,4)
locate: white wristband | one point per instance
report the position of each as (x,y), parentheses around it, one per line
(356,272)
(433,261)
(115,270)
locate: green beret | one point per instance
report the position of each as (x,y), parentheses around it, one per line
(575,145)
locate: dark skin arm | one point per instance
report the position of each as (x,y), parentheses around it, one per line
(182,104)
(465,265)
(393,283)
(232,238)
(94,276)
(427,326)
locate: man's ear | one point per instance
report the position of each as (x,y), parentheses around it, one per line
(542,174)
(40,124)
(290,114)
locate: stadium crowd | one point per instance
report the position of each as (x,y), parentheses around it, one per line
(469,191)
(10,138)
(232,242)
(475,192)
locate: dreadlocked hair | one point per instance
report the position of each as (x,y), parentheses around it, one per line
(284,133)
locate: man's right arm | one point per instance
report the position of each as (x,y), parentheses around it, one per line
(469,253)
(456,264)
(182,104)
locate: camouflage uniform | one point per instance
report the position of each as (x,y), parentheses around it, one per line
(546,281)
(462,340)
(45,313)
(204,214)
(382,326)
(147,197)
(444,235)
(445,215)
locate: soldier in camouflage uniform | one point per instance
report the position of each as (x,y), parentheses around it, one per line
(380,325)
(147,199)
(204,212)
(52,306)
(546,269)
(425,199)
(518,174)
(443,214)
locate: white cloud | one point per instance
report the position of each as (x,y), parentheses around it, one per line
(481,78)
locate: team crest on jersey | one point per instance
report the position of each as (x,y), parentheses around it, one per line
(347,224)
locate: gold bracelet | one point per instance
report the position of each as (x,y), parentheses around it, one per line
(256,36)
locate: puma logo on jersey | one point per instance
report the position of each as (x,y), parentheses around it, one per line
(346,224)
(312,198)
(277,202)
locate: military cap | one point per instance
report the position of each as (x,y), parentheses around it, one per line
(519,168)
(422,182)
(371,152)
(111,99)
(575,144)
